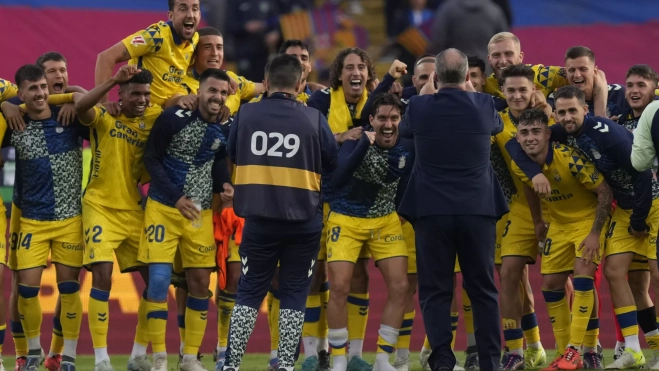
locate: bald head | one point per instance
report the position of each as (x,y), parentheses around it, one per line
(451,67)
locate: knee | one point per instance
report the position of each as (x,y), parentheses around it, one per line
(198,282)
(510,275)
(340,291)
(614,273)
(159,279)
(638,283)
(399,289)
(102,277)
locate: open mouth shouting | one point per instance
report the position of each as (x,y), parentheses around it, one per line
(58,87)
(356,84)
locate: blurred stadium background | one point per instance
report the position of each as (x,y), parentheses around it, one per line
(621,33)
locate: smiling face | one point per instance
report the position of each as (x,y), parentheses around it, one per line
(581,73)
(533,137)
(477,78)
(209,53)
(303,56)
(354,75)
(57,76)
(518,91)
(212,95)
(385,125)
(639,92)
(35,95)
(503,54)
(135,98)
(185,16)
(570,114)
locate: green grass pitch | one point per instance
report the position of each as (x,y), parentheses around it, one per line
(259,362)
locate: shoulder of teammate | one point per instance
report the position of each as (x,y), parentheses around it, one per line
(320,100)
(518,172)
(580,167)
(617,96)
(8,90)
(245,87)
(149,40)
(605,132)
(550,77)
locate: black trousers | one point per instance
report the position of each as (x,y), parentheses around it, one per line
(294,245)
(438,239)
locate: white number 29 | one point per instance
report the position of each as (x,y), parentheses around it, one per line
(260,144)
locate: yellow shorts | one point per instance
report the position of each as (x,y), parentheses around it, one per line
(501,226)
(639,266)
(166,230)
(111,232)
(620,241)
(518,237)
(61,239)
(410,243)
(14,228)
(347,236)
(561,246)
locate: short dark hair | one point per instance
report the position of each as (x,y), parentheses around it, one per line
(569,92)
(337,65)
(426,58)
(644,71)
(533,115)
(29,72)
(285,72)
(386,99)
(50,56)
(578,52)
(449,69)
(209,31)
(214,73)
(293,42)
(144,77)
(171,4)
(517,70)
(475,61)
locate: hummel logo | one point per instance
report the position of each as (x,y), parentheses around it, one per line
(552,319)
(602,128)
(363,311)
(466,308)
(180,113)
(70,315)
(203,316)
(102,317)
(583,309)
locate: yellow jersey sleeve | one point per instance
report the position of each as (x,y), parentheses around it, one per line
(245,87)
(99,112)
(145,42)
(8,90)
(257,98)
(549,78)
(584,171)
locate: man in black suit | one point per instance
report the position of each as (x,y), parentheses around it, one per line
(454,200)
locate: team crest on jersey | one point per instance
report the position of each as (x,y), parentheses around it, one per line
(59,130)
(401,162)
(142,125)
(557,176)
(91,253)
(138,40)
(216,144)
(595,153)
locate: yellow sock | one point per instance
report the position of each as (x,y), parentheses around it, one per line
(324,298)
(387,339)
(156,315)
(142,330)
(405,333)
(559,316)
(273,320)
(226,303)
(71,317)
(57,341)
(357,315)
(530,328)
(196,314)
(426,343)
(3,329)
(627,320)
(592,333)
(454,327)
(311,316)
(29,309)
(20,342)
(98,317)
(512,334)
(467,312)
(582,308)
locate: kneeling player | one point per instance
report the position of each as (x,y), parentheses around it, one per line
(579,205)
(370,166)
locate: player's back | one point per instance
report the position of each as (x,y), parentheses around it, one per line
(117,165)
(50,158)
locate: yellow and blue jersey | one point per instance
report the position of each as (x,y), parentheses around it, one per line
(573,179)
(49,168)
(118,145)
(303,96)
(186,156)
(547,79)
(366,178)
(160,50)
(8,90)
(245,89)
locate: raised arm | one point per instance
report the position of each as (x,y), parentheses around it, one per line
(85,104)
(106,61)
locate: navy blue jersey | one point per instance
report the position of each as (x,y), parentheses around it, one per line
(616,103)
(367,177)
(608,146)
(83,131)
(628,120)
(186,156)
(48,183)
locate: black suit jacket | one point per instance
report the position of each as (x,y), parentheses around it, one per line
(452,174)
